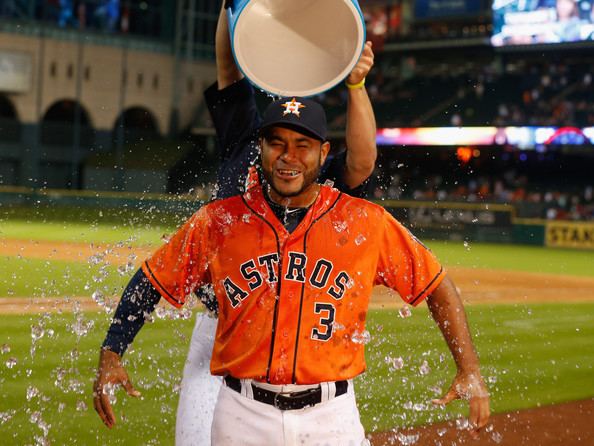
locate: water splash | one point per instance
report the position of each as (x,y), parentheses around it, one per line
(360,239)
(362,337)
(405,312)
(424,369)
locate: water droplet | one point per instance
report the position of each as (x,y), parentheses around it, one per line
(496,437)
(35,417)
(110,390)
(32,392)
(98,297)
(424,369)
(6,416)
(466,245)
(441,432)
(37,332)
(96,259)
(405,312)
(339,226)
(81,406)
(360,239)
(5,348)
(361,337)
(407,440)
(165,238)
(81,327)
(338,326)
(329,183)
(394,363)
(462,424)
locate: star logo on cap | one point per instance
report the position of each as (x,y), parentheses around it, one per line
(292,107)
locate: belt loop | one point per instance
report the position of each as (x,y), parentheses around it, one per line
(331,390)
(246,389)
(249,389)
(325,395)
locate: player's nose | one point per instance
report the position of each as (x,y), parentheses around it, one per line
(289,154)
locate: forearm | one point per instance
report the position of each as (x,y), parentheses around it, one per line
(448,312)
(227,71)
(360,137)
(138,300)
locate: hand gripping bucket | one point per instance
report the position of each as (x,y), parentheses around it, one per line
(296,47)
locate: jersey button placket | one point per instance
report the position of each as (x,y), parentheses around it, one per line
(287,322)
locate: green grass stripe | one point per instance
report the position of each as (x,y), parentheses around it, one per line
(515,257)
(531,354)
(108,233)
(25,277)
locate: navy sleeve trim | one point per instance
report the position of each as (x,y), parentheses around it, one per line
(138,300)
(422,293)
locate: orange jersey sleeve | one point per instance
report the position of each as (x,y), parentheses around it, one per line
(405,264)
(178,267)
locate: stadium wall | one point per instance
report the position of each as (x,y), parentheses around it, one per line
(463,222)
(106,81)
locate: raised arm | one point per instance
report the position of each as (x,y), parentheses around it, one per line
(360,127)
(227,71)
(448,312)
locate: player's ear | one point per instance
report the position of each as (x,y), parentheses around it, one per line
(324,151)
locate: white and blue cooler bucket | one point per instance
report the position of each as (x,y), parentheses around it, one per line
(296,47)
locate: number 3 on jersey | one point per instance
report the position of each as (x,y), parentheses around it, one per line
(327,312)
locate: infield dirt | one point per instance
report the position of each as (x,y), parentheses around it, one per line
(476,285)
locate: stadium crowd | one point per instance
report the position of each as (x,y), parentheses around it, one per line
(531,199)
(515,93)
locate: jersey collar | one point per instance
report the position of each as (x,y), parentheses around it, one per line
(254,199)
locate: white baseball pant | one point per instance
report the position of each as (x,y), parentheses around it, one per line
(241,421)
(199,389)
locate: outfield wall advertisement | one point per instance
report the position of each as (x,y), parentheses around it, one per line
(472,221)
(564,234)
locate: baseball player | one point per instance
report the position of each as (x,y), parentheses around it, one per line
(234,114)
(292,294)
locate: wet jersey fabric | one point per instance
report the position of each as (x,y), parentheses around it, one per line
(236,119)
(289,301)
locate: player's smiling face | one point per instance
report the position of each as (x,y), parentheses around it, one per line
(291,164)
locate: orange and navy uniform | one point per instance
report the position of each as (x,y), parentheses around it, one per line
(289,301)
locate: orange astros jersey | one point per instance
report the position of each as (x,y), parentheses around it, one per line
(289,304)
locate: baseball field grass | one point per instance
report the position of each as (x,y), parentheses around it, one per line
(531,355)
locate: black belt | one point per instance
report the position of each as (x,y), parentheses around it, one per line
(287,401)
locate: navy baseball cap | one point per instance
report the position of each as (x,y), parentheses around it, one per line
(300,114)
